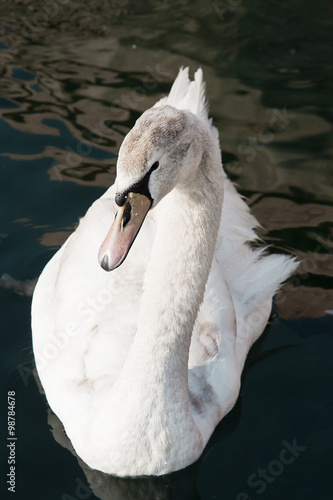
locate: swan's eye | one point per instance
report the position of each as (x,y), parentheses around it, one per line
(154,166)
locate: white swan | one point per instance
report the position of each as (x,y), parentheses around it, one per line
(140,364)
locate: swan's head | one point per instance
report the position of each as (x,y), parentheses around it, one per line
(158,153)
(162,150)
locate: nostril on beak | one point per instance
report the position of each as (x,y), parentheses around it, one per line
(105,263)
(127,215)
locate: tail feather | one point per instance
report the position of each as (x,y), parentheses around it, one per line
(179,89)
(191,95)
(187,94)
(195,99)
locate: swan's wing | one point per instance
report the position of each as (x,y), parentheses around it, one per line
(234,313)
(253,276)
(213,372)
(187,94)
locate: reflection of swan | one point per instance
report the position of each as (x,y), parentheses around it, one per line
(176,486)
(141,364)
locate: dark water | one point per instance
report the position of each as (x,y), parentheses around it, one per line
(74,78)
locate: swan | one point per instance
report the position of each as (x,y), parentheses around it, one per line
(140,364)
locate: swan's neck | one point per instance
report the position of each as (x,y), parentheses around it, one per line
(152,423)
(187,225)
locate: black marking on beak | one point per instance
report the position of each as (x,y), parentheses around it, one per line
(121,198)
(140,187)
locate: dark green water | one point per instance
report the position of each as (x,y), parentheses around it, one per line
(74,78)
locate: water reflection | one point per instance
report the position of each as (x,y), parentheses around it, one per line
(177,486)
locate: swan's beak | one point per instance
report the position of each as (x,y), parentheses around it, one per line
(123,231)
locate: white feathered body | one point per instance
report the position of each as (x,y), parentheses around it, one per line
(146,403)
